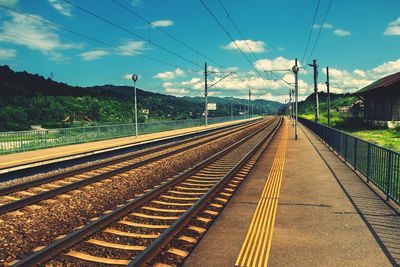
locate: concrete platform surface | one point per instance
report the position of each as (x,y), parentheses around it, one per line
(326,216)
(24,158)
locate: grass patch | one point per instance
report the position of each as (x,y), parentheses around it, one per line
(389,138)
(383,137)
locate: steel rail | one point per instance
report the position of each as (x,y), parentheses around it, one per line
(18,204)
(29,184)
(40,166)
(146,256)
(59,245)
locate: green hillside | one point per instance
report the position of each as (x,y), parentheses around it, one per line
(29,99)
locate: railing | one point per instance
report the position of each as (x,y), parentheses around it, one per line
(380,165)
(11,142)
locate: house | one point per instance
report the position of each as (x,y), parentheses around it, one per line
(382,100)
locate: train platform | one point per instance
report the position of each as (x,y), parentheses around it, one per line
(21,160)
(302,206)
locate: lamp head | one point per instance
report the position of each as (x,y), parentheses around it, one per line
(135,77)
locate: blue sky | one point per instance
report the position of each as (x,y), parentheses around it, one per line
(360,42)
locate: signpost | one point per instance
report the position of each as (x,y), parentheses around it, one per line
(212,106)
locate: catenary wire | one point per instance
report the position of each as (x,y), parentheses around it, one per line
(86,36)
(132,33)
(117,2)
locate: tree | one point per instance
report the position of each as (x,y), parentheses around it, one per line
(13,118)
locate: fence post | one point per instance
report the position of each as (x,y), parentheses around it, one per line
(369,162)
(355,153)
(345,148)
(389,175)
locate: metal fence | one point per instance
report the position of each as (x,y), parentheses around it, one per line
(380,165)
(11,142)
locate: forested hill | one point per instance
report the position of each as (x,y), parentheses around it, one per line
(30,99)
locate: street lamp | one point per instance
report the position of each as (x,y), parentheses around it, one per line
(135,78)
(295,70)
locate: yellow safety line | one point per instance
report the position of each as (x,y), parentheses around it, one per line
(257,244)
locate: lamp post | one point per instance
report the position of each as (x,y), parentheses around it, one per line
(295,70)
(135,78)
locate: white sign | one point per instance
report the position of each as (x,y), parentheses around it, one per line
(212,106)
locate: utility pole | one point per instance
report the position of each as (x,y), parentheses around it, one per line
(248,106)
(135,77)
(290,104)
(295,70)
(315,67)
(292,107)
(329,96)
(231,108)
(205,95)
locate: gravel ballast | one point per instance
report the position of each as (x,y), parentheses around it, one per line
(20,234)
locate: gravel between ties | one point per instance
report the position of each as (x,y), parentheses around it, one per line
(19,235)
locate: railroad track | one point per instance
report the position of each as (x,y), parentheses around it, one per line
(161,226)
(16,197)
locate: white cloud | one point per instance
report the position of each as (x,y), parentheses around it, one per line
(92,55)
(255,46)
(324,26)
(35,35)
(346,81)
(62,7)
(359,72)
(272,88)
(393,28)
(131,48)
(280,48)
(162,23)
(387,68)
(191,82)
(56,56)
(169,75)
(177,91)
(136,2)
(7,53)
(9,3)
(279,63)
(341,32)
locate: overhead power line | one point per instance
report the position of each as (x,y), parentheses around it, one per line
(167,33)
(84,36)
(320,29)
(246,41)
(230,37)
(237,28)
(311,30)
(132,33)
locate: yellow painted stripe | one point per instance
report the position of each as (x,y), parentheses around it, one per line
(257,244)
